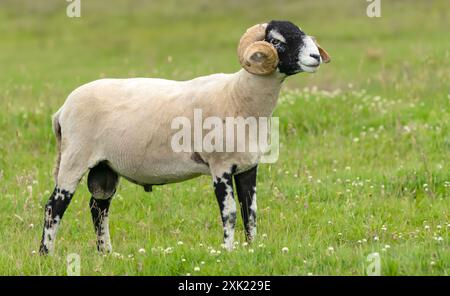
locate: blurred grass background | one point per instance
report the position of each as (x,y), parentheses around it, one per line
(365,141)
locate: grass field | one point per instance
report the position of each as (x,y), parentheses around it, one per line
(365,142)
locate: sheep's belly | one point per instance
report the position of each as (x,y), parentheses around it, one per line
(160,172)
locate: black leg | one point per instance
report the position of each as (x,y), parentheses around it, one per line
(223,188)
(246,192)
(54,211)
(99,210)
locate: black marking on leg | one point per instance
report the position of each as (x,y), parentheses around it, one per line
(62,194)
(223,188)
(233,169)
(246,187)
(54,211)
(99,211)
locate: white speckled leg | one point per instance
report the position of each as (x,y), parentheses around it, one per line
(99,211)
(223,188)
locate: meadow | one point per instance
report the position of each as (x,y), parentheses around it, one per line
(365,141)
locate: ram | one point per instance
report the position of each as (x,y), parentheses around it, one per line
(122,128)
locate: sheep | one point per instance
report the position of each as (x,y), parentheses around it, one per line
(116,128)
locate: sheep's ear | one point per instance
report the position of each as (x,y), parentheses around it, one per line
(323,53)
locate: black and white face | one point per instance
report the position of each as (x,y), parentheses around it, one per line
(297,51)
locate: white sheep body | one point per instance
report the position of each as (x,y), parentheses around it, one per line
(127,122)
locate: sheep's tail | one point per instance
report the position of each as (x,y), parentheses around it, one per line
(57,131)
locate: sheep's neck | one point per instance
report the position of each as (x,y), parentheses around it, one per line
(255,95)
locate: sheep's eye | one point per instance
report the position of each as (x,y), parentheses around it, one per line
(275,42)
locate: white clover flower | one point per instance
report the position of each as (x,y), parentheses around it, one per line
(188,274)
(387,246)
(244,244)
(196,268)
(285,250)
(251,250)
(168,250)
(118,255)
(218,261)
(180,243)
(141,251)
(213,251)
(376,238)
(427,227)
(264,235)
(183,260)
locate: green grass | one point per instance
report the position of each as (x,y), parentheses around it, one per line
(365,142)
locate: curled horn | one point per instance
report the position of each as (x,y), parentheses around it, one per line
(256,55)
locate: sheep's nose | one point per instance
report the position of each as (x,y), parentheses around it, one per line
(315,56)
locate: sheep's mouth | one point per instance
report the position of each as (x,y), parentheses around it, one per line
(310,68)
